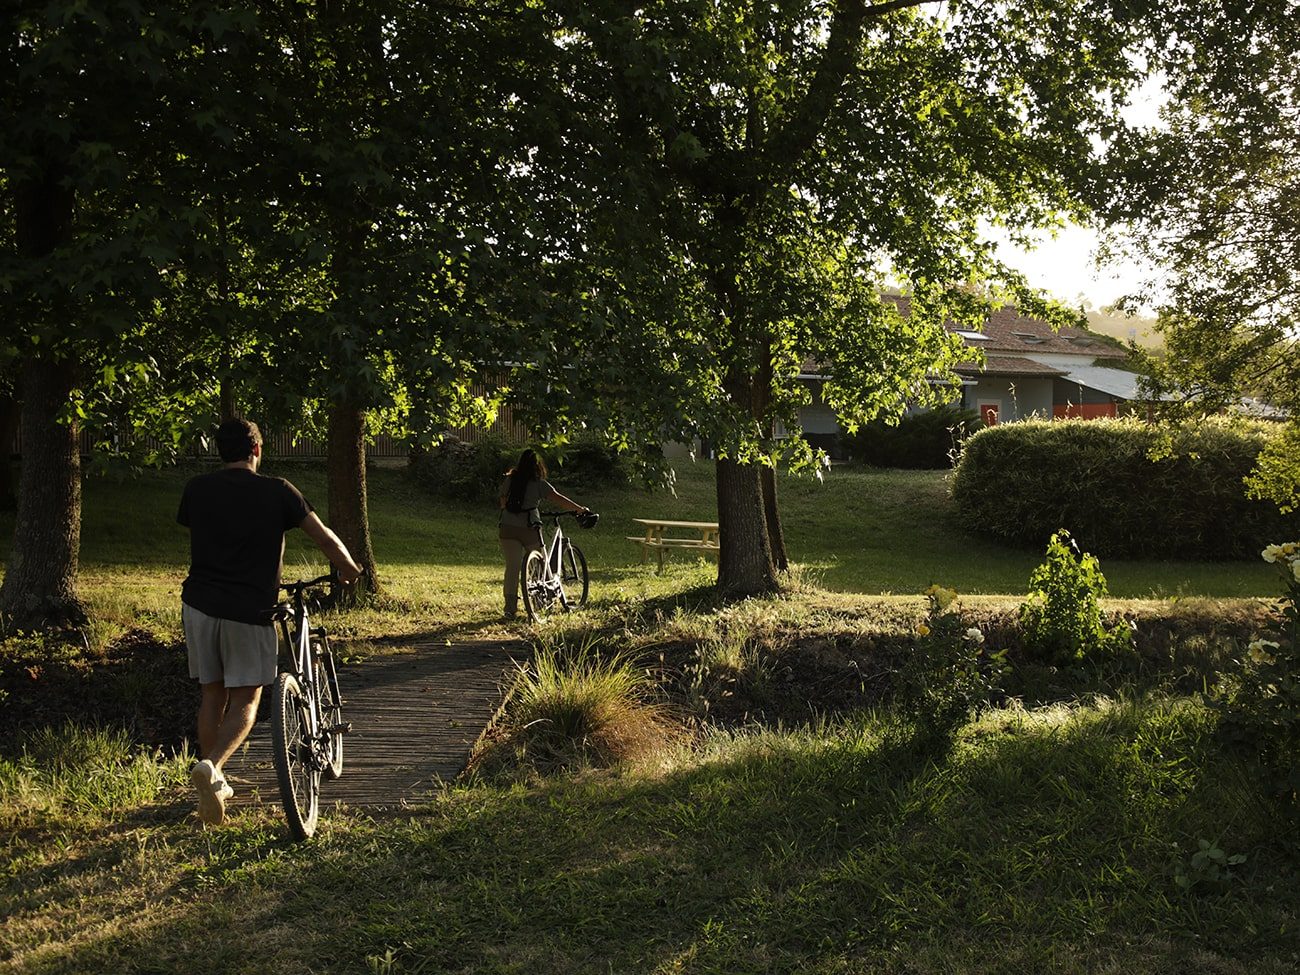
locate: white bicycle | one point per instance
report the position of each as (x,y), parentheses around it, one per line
(557,572)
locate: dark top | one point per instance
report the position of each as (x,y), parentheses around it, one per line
(237,520)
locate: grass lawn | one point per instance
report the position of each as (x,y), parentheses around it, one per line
(859,531)
(1071,838)
(1040,842)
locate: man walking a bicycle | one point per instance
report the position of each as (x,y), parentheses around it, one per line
(237,519)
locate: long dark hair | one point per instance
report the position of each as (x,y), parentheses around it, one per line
(530,467)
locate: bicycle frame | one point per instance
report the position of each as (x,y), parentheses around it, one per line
(295,632)
(555,547)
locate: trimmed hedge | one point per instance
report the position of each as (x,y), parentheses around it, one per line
(920,441)
(1122,488)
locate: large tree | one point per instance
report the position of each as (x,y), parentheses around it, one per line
(81,106)
(1212,201)
(750,176)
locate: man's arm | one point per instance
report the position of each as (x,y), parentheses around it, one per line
(332,546)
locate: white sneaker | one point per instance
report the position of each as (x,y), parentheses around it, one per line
(213,791)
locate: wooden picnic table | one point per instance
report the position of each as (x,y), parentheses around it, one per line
(655,539)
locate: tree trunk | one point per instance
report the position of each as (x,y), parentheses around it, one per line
(40,584)
(772,514)
(9,413)
(348,506)
(228,408)
(745,560)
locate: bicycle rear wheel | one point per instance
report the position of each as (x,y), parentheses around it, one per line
(331,704)
(538,589)
(573,571)
(291,753)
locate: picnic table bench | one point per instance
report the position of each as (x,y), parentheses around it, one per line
(654,540)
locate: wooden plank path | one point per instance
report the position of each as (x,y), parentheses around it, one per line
(415,716)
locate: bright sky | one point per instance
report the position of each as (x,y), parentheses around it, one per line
(1064,267)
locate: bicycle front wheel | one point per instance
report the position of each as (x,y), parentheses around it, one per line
(573,571)
(331,704)
(539,590)
(291,751)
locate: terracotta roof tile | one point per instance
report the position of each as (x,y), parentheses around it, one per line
(1008,365)
(1009,331)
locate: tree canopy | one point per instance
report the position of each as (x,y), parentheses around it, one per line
(1210,199)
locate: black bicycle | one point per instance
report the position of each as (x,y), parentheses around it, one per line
(307,725)
(557,572)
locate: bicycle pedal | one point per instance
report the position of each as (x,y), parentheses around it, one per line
(342,728)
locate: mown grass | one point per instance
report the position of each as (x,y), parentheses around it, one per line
(1040,841)
(888,533)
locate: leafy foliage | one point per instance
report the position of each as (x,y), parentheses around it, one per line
(949,674)
(927,440)
(1259,702)
(1124,488)
(1061,618)
(1209,198)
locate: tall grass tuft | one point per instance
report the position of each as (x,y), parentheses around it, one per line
(573,708)
(73,768)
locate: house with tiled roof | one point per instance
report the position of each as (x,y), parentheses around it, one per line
(1031,370)
(1028,370)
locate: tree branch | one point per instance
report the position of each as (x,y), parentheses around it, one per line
(788,145)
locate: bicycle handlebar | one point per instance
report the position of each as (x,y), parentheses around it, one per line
(303,585)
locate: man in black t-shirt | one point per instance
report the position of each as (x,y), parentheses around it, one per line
(237,519)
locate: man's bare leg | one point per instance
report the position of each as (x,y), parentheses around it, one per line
(212,708)
(235,725)
(226,716)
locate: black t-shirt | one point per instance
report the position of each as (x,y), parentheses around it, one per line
(237,520)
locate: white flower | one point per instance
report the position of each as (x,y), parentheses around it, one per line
(975,635)
(1272,553)
(1259,651)
(1295,569)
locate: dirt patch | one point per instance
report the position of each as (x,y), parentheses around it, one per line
(138,683)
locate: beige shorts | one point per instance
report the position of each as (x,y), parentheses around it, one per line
(229,653)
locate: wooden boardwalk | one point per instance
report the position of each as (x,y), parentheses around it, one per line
(415,717)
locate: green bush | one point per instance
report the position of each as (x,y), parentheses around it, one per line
(921,441)
(1259,697)
(950,674)
(1061,619)
(464,471)
(588,463)
(1123,488)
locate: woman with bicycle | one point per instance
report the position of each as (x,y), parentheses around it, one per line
(524,489)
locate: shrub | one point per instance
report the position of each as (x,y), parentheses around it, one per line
(1061,619)
(1125,489)
(575,709)
(463,471)
(950,674)
(1259,699)
(588,463)
(921,441)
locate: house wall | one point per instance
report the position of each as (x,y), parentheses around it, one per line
(816,418)
(1017,398)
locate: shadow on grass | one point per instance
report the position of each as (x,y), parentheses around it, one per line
(1045,845)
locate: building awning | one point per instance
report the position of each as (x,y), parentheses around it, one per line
(1113,382)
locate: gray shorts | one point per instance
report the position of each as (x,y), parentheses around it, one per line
(229,653)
